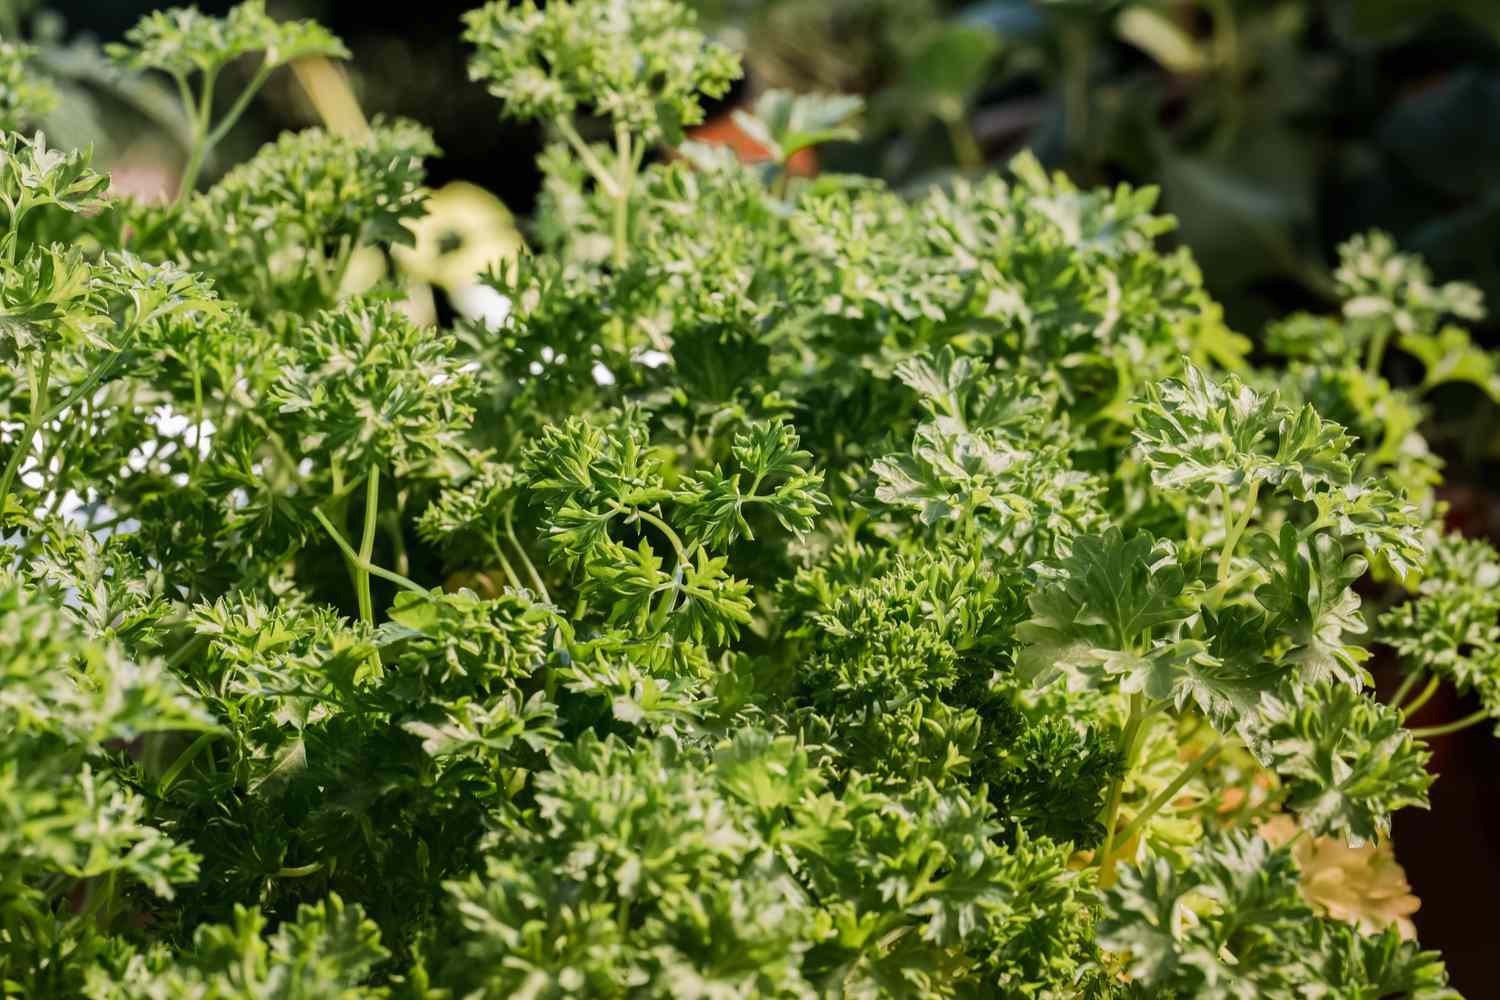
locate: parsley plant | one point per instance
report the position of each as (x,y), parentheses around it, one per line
(804,590)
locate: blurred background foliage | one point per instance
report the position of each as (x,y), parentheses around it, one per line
(1275,129)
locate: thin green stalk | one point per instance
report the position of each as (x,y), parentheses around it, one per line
(205,134)
(1130,740)
(37,384)
(99,905)
(1378,343)
(338,513)
(88,385)
(18,212)
(510,574)
(1420,700)
(240,103)
(183,760)
(188,182)
(353,557)
(340,270)
(670,593)
(663,526)
(600,173)
(186,650)
(1237,529)
(1410,681)
(1166,795)
(535,577)
(367,546)
(1111,813)
(396,578)
(197,412)
(185,95)
(1474,719)
(966,149)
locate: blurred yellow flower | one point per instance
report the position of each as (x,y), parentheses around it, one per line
(465,232)
(1364,886)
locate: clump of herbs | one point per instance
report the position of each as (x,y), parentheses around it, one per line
(875,596)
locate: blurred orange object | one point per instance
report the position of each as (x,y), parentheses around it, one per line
(724,131)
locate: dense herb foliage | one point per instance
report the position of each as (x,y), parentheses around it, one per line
(801,590)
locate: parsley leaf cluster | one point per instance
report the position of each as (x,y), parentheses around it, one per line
(800,588)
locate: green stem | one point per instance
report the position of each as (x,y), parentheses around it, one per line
(241,103)
(510,574)
(600,173)
(37,384)
(531,573)
(18,212)
(667,603)
(1169,793)
(185,95)
(205,105)
(98,905)
(663,526)
(183,760)
(396,578)
(782,186)
(1129,745)
(966,149)
(1378,343)
(367,546)
(353,557)
(186,650)
(1236,530)
(1452,727)
(197,412)
(340,270)
(300,871)
(1407,683)
(88,385)
(1420,700)
(669,594)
